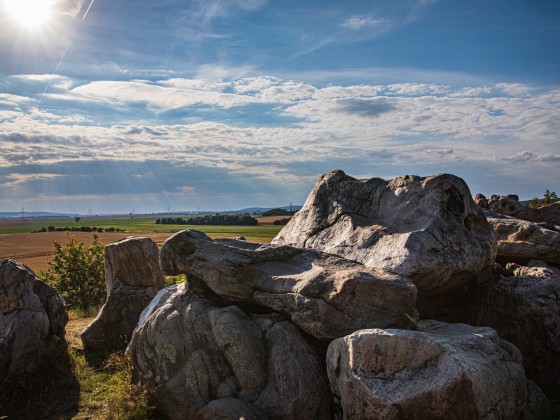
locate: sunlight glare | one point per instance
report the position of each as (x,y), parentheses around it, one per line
(30,14)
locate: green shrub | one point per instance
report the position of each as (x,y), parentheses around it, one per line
(77,272)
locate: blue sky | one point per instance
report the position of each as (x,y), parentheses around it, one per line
(222,104)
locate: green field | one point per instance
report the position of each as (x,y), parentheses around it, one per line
(263,232)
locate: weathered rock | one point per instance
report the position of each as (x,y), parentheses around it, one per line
(525,309)
(481,201)
(426,228)
(133,278)
(205,360)
(32,320)
(325,295)
(520,241)
(441,371)
(509,205)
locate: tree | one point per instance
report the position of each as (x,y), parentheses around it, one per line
(548,198)
(77,272)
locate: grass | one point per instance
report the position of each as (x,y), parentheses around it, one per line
(78,387)
(264,232)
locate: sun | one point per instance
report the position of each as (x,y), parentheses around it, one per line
(30,14)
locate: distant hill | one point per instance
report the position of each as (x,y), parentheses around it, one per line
(31,214)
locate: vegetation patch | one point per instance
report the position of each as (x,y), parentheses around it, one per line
(212,219)
(548,198)
(77,272)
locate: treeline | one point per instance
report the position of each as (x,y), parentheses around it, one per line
(79,229)
(278,212)
(283,221)
(212,219)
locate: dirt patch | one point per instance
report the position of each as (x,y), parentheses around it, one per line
(34,249)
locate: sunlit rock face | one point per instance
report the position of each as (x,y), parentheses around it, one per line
(32,320)
(325,295)
(509,205)
(204,359)
(428,229)
(133,278)
(520,241)
(439,371)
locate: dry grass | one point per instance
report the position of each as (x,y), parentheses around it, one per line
(77,386)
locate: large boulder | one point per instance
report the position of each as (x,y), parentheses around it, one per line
(440,371)
(206,360)
(133,278)
(524,308)
(426,228)
(520,241)
(509,205)
(32,320)
(325,295)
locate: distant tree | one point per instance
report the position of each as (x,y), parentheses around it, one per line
(548,198)
(77,219)
(77,272)
(223,220)
(278,212)
(283,221)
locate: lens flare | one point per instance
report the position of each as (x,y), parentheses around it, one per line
(30,14)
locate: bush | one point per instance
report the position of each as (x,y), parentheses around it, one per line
(283,221)
(77,272)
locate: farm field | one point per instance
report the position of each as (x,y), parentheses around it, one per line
(34,249)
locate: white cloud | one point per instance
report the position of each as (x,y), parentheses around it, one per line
(387,126)
(360,22)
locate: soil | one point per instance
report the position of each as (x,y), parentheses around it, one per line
(34,249)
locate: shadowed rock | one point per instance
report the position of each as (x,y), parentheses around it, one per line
(32,320)
(426,228)
(325,295)
(204,360)
(133,278)
(441,371)
(524,308)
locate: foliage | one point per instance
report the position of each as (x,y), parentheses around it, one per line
(79,229)
(278,212)
(77,272)
(213,219)
(171,221)
(172,280)
(283,221)
(548,198)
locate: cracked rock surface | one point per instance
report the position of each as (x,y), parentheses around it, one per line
(207,360)
(525,309)
(440,371)
(133,278)
(428,229)
(520,241)
(325,295)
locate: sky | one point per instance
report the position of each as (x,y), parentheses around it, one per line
(109,106)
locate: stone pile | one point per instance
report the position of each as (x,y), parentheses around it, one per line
(324,324)
(357,310)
